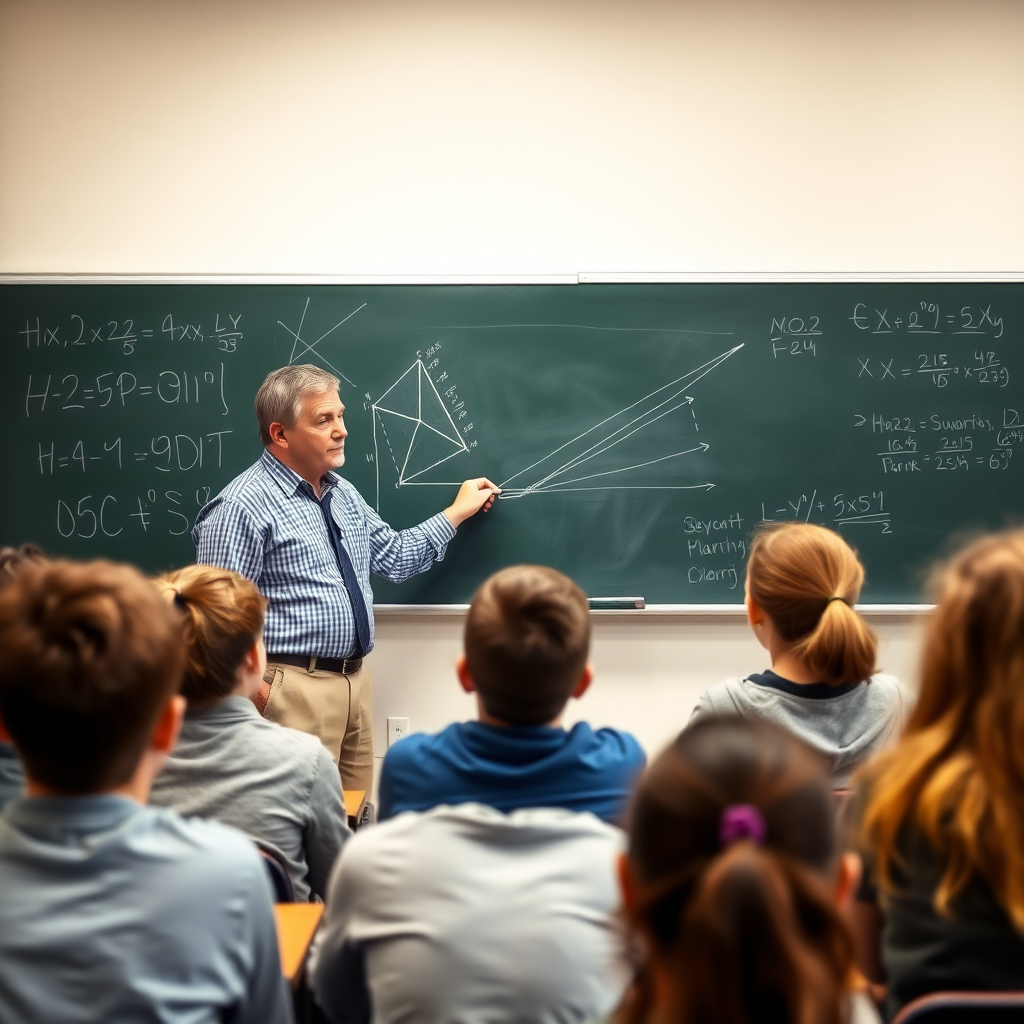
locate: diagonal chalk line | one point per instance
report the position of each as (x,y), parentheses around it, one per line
(420,472)
(639,465)
(455,429)
(585,456)
(397,382)
(311,346)
(514,494)
(710,365)
(295,334)
(412,441)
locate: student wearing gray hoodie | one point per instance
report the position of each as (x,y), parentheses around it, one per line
(801,586)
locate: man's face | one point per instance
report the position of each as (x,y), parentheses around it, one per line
(316,444)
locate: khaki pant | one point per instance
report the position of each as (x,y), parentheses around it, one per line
(338,709)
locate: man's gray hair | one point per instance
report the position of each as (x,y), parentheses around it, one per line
(280,395)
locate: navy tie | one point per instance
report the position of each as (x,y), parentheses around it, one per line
(348,574)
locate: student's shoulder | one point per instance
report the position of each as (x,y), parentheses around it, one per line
(607,742)
(414,747)
(202,849)
(888,691)
(729,697)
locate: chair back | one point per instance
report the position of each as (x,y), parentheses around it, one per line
(279,880)
(964,1008)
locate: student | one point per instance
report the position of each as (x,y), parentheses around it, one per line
(733,885)
(278,785)
(942,819)
(802,583)
(12,777)
(468,914)
(527,637)
(111,910)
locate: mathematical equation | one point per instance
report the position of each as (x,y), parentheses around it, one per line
(169,386)
(928,318)
(842,509)
(984,368)
(165,453)
(111,515)
(76,332)
(944,444)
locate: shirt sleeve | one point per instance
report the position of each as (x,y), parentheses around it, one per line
(703,709)
(398,554)
(226,536)
(267,999)
(339,974)
(327,829)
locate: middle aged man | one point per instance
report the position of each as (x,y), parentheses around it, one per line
(309,541)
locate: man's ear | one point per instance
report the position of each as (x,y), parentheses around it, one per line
(168,725)
(462,671)
(848,879)
(277,435)
(585,680)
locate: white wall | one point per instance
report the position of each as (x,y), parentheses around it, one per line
(517,136)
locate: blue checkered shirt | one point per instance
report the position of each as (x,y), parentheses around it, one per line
(268,526)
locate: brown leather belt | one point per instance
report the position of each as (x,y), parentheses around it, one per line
(311,663)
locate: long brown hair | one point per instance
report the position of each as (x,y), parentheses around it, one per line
(222,617)
(807,579)
(749,927)
(958,771)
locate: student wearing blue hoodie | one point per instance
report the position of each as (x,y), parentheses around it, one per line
(527,640)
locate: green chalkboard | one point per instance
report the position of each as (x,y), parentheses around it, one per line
(640,430)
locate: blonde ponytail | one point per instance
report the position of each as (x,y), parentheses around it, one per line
(807,579)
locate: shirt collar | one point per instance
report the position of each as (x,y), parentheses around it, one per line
(288,480)
(95,812)
(813,691)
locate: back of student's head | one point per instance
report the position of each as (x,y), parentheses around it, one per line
(222,617)
(733,854)
(89,656)
(959,767)
(527,638)
(807,579)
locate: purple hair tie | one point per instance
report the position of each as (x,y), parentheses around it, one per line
(741,821)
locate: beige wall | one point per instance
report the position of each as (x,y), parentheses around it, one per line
(512,137)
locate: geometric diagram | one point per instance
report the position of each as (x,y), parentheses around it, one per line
(411,422)
(630,450)
(311,346)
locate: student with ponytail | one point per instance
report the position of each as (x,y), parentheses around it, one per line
(801,586)
(733,884)
(942,814)
(279,785)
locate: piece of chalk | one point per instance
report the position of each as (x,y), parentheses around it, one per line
(615,603)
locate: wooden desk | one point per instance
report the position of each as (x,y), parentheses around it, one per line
(355,801)
(296,926)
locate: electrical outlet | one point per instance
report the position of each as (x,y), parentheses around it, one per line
(398,728)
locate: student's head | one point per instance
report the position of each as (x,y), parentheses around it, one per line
(958,769)
(806,579)
(732,882)
(90,659)
(526,642)
(222,629)
(13,559)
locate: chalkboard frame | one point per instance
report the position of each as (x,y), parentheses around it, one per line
(708,611)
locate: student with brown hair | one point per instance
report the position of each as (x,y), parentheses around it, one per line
(801,586)
(733,883)
(112,910)
(942,817)
(12,777)
(277,784)
(527,640)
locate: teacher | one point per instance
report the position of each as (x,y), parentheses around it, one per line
(309,541)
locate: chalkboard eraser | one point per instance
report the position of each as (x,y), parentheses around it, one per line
(605,604)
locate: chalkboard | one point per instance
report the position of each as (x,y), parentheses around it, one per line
(640,431)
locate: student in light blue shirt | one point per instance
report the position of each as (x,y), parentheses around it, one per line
(527,639)
(111,910)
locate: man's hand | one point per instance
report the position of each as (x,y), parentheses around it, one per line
(473,495)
